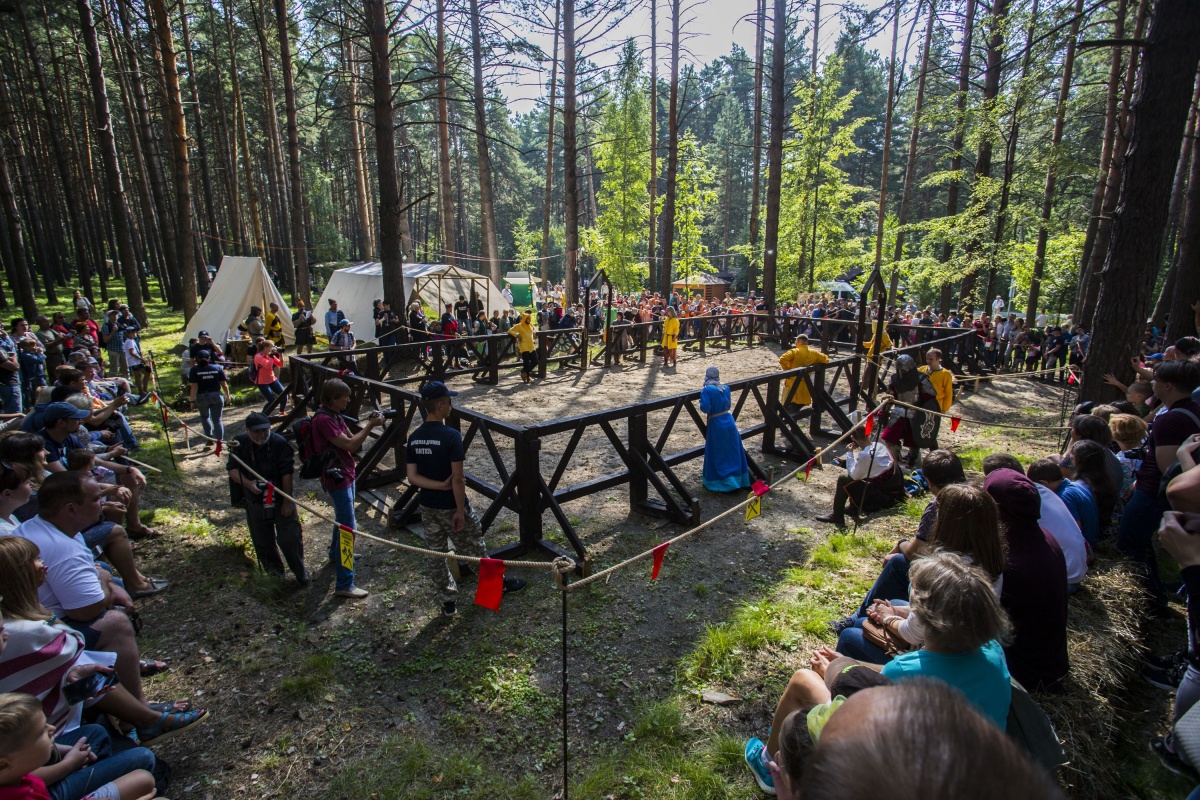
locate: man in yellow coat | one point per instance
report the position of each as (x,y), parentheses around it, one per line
(799,356)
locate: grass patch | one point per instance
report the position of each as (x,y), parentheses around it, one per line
(315,675)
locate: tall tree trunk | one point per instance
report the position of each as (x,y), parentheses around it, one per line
(119,210)
(652,186)
(446,188)
(239,112)
(550,135)
(487,205)
(1178,190)
(1181,320)
(983,155)
(177,126)
(887,144)
(303,287)
(756,147)
(15,254)
(1157,121)
(570,157)
(910,165)
(964,85)
(362,201)
(216,235)
(775,152)
(276,179)
(227,142)
(1064,91)
(666,267)
(391,204)
(1089,284)
(54,127)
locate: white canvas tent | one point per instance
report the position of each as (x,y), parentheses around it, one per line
(357,288)
(240,283)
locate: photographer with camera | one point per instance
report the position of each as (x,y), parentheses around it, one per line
(266,360)
(331,437)
(273,521)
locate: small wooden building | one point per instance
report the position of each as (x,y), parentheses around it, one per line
(710,286)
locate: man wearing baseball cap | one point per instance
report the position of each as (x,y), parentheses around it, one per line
(273,522)
(435,466)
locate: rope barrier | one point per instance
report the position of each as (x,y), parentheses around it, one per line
(979,422)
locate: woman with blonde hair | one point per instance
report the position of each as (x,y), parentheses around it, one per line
(1128,431)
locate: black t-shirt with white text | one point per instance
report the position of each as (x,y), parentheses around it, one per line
(208,379)
(433,447)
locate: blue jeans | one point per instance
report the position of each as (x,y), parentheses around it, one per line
(1135,535)
(852,643)
(270,390)
(343,512)
(107,769)
(210,406)
(892,584)
(10,399)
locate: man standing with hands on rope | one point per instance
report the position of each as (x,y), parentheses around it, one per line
(272,520)
(435,457)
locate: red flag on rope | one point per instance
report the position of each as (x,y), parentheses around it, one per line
(659,552)
(954,421)
(1071,379)
(807,470)
(164,412)
(218,450)
(491,584)
(760,488)
(269,495)
(869,425)
(154,398)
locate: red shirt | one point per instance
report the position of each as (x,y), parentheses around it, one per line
(30,787)
(325,426)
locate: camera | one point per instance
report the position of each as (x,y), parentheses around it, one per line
(334,474)
(390,413)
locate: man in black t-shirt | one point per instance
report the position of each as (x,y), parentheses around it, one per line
(205,344)
(435,466)
(462,311)
(273,522)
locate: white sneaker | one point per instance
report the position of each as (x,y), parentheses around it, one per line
(354,593)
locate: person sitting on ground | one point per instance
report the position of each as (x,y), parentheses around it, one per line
(1035,583)
(967,525)
(33,370)
(83,596)
(872,480)
(917,740)
(1087,465)
(435,466)
(36,766)
(1092,428)
(915,427)
(795,390)
(965,627)
(1129,432)
(274,526)
(1138,393)
(53,655)
(941,469)
(1173,385)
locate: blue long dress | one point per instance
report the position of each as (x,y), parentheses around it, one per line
(725,468)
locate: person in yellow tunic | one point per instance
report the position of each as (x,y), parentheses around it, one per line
(799,356)
(871,368)
(274,326)
(941,378)
(670,339)
(886,341)
(526,346)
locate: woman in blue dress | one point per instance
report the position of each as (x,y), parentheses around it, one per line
(725,468)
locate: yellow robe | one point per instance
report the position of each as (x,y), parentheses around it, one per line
(670,337)
(274,329)
(870,343)
(943,384)
(523,333)
(800,356)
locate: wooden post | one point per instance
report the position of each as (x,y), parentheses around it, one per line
(543,354)
(527,447)
(639,443)
(818,403)
(703,333)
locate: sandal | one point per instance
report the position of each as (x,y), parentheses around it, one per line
(159,732)
(145,532)
(172,706)
(156,585)
(151,667)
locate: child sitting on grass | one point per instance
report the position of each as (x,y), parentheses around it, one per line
(29,758)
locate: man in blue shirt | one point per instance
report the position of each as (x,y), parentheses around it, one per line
(1076,496)
(435,466)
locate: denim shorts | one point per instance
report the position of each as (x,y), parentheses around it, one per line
(95,536)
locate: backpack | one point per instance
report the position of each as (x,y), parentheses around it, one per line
(312,462)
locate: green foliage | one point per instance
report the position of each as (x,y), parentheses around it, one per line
(694,197)
(315,674)
(1060,274)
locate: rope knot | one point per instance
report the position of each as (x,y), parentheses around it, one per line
(562,567)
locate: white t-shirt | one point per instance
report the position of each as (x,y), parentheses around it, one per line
(8,525)
(1056,519)
(860,465)
(133,353)
(997,306)
(1040,320)
(71,579)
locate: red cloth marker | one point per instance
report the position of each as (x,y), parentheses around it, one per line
(760,488)
(869,425)
(218,450)
(954,421)
(269,495)
(491,584)
(659,552)
(1071,379)
(807,470)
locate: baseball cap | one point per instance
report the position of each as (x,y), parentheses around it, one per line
(257,422)
(203,334)
(57,411)
(346,322)
(435,390)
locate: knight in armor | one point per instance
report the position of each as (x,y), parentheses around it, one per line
(911,427)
